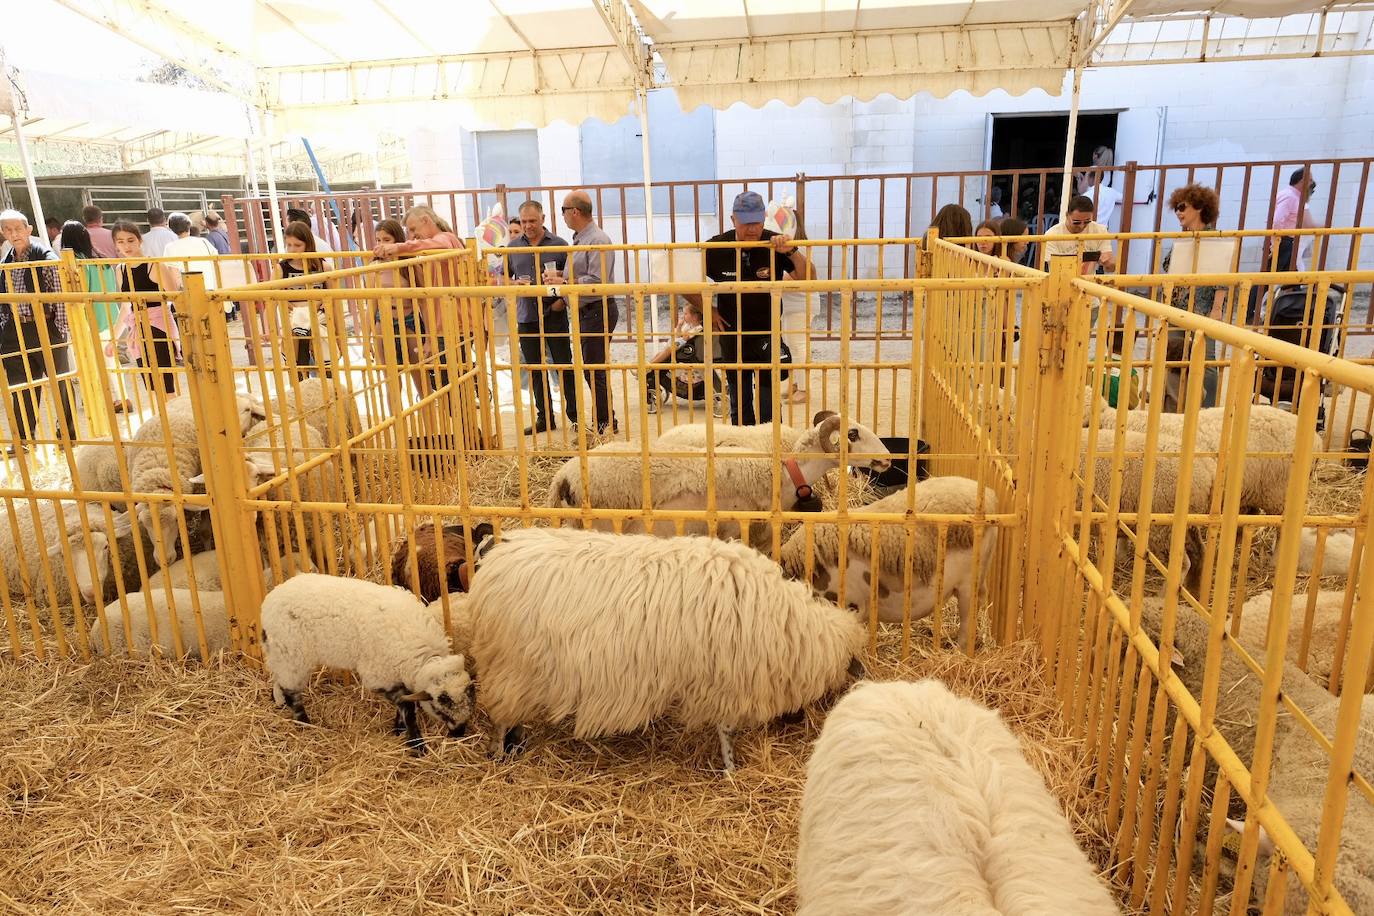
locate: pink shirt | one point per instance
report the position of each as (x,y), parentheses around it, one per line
(102,242)
(440,274)
(1287,206)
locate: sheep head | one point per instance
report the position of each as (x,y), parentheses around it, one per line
(445,692)
(862,440)
(160,521)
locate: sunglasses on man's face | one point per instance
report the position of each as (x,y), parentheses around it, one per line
(566,209)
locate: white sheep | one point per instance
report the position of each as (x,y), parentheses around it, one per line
(742,483)
(97,469)
(151,472)
(919,801)
(1270,440)
(1338,556)
(264,450)
(615,631)
(384,635)
(214,615)
(26,541)
(203,567)
(1168,467)
(962,573)
(110,560)
(756,438)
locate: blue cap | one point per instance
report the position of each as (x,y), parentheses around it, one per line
(749,207)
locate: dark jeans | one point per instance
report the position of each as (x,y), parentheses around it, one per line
(23,359)
(744,383)
(1257,292)
(595,332)
(532,350)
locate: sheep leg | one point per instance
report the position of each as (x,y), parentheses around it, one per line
(793,717)
(506,740)
(292,700)
(414,740)
(964,596)
(727,746)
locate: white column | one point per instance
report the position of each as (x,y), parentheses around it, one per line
(1067,190)
(272,201)
(251,167)
(27,166)
(642,97)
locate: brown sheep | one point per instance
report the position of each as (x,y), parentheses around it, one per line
(434,582)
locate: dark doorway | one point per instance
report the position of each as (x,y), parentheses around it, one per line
(1037,142)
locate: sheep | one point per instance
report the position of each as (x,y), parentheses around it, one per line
(1270,439)
(742,483)
(205,567)
(962,570)
(383,634)
(1327,612)
(99,551)
(1299,770)
(919,801)
(22,556)
(432,580)
(1338,553)
(97,469)
(616,631)
(1168,468)
(756,438)
(314,403)
(151,472)
(264,446)
(214,615)
(1297,788)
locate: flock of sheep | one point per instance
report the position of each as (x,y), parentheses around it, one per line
(614,631)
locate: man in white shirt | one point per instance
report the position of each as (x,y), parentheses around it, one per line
(158,236)
(193,248)
(1079,221)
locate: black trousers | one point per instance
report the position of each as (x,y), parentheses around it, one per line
(745,384)
(159,347)
(21,349)
(594,335)
(1257,293)
(559,350)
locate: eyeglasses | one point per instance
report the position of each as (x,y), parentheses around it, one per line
(566,209)
(1179,208)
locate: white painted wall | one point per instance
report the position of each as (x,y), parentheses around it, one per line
(1233,112)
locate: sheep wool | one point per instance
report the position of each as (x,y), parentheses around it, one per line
(616,631)
(1269,443)
(934,496)
(22,558)
(755,438)
(137,635)
(433,580)
(919,801)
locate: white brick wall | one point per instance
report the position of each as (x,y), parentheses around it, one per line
(1241,112)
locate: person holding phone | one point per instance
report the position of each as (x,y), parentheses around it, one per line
(1098,256)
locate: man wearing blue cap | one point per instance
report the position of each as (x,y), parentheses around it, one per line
(746,319)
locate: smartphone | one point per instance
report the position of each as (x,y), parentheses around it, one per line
(1092,255)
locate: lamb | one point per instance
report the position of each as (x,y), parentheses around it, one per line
(97,469)
(22,555)
(114,544)
(1168,469)
(204,566)
(382,634)
(616,631)
(1328,610)
(742,483)
(755,438)
(1269,443)
(214,615)
(264,446)
(919,801)
(314,403)
(434,581)
(150,470)
(963,571)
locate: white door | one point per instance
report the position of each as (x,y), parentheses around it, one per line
(1140,139)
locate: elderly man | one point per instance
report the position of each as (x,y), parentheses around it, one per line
(748,318)
(597,317)
(215,233)
(536,316)
(102,240)
(20,336)
(1081,220)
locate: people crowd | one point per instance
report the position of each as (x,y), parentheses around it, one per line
(410,330)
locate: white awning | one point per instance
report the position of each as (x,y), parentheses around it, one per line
(717,52)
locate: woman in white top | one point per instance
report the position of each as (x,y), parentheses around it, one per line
(796,319)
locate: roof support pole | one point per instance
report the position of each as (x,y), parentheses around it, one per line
(642,99)
(1067,190)
(251,167)
(26,164)
(274,204)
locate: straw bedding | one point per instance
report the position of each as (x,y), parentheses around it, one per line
(155,788)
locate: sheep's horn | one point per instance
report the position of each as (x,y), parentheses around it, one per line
(421,697)
(821,417)
(829,426)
